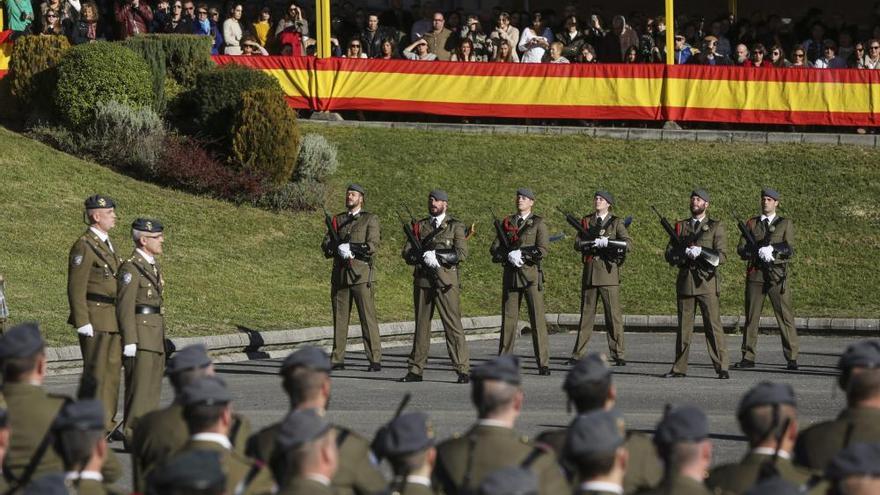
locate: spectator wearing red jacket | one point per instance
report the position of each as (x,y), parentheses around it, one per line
(132,17)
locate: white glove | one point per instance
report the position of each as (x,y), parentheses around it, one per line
(766,254)
(430,258)
(600,242)
(693,252)
(129,350)
(515,258)
(86,330)
(344,251)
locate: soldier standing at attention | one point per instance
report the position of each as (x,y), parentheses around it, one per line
(767,276)
(700,250)
(142,322)
(91,294)
(601,276)
(437,283)
(357,233)
(527,244)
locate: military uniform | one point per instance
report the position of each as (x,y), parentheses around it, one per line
(352,280)
(237,467)
(68,484)
(818,444)
(680,485)
(306,486)
(194,471)
(737,478)
(406,435)
(526,281)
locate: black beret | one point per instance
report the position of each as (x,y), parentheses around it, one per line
(773,486)
(526,193)
(511,480)
(193,470)
(589,369)
(190,357)
(405,434)
(765,394)
(209,390)
(99,201)
(701,193)
(504,368)
(857,459)
(682,424)
(4,418)
(862,354)
(50,484)
(82,415)
(22,340)
(596,432)
(439,195)
(308,357)
(357,188)
(147,225)
(605,194)
(770,193)
(300,427)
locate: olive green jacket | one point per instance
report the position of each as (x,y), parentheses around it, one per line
(818,444)
(451,238)
(737,478)
(238,469)
(781,230)
(362,229)
(533,234)
(598,271)
(139,285)
(680,485)
(693,280)
(305,486)
(92,269)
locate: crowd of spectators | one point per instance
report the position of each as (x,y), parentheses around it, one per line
(424,33)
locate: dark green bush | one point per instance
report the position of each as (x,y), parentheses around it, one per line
(153,52)
(32,71)
(126,138)
(186,56)
(100,72)
(266,136)
(218,95)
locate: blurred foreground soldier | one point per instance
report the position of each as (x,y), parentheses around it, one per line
(602,256)
(492,443)
(352,240)
(408,444)
(774,486)
(161,433)
(305,376)
(91,294)
(767,243)
(859,422)
(511,480)
(596,450)
(79,441)
(682,440)
(855,470)
(520,247)
(305,457)
(4,445)
(438,245)
(767,415)
(140,311)
(194,473)
(697,251)
(589,388)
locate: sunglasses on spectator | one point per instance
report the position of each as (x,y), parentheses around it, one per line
(355,45)
(190,9)
(203,12)
(51,16)
(875,47)
(757,52)
(860,49)
(799,55)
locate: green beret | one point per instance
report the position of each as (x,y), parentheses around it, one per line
(197,470)
(701,193)
(606,195)
(190,357)
(309,357)
(594,433)
(862,354)
(503,368)
(209,391)
(99,201)
(682,424)
(857,459)
(82,415)
(773,486)
(23,340)
(770,193)
(439,195)
(147,225)
(526,193)
(405,434)
(511,480)
(301,427)
(589,369)
(357,188)
(764,394)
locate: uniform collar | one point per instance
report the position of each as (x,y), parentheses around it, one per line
(101,235)
(84,475)
(214,438)
(524,218)
(701,218)
(318,478)
(771,452)
(438,220)
(149,259)
(492,422)
(354,213)
(601,486)
(601,219)
(418,480)
(769,219)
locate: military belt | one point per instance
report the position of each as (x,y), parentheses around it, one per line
(142,309)
(101,299)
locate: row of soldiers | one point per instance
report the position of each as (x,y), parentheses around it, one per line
(198,445)
(437,245)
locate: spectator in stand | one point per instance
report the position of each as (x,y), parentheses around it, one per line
(777,57)
(389,49)
(206,27)
(631,56)
(708,54)
(717,30)
(845,48)
(872,59)
(65,12)
(830,60)
(21,16)
(626,35)
(742,56)
(177,21)
(232,32)
(535,40)
(355,49)
(52,24)
(814,46)
(250,47)
(504,32)
(398,18)
(799,58)
(161,15)
(132,17)
(465,52)
(453,22)
(759,57)
(857,59)
(587,55)
(85,29)
(294,21)
(262,26)
(438,37)
(683,52)
(504,52)
(556,56)
(473,31)
(292,42)
(422,51)
(571,37)
(371,37)
(214,15)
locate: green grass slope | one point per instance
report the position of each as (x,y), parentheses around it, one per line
(228,266)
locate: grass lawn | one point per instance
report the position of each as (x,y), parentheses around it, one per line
(228,266)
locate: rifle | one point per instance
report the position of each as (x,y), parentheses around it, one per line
(749,253)
(359,250)
(708,259)
(417,248)
(615,252)
(374,445)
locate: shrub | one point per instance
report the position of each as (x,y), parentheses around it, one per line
(32,67)
(266,136)
(154,54)
(219,95)
(306,195)
(185,56)
(127,137)
(57,136)
(317,159)
(100,72)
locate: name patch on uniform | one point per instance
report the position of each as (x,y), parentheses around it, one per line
(126,278)
(77,260)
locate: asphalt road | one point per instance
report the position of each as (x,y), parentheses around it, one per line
(363,401)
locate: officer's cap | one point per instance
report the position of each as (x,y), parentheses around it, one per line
(192,470)
(682,424)
(503,368)
(147,225)
(300,427)
(701,193)
(607,196)
(308,357)
(596,432)
(511,480)
(405,434)
(526,193)
(357,188)
(858,459)
(589,369)
(99,201)
(21,341)
(209,391)
(4,418)
(81,415)
(439,195)
(765,394)
(50,484)
(773,486)
(770,193)
(190,357)
(862,354)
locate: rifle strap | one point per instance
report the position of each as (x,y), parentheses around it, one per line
(36,458)
(233,432)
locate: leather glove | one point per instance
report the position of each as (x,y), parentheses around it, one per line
(515,258)
(430,258)
(129,350)
(86,330)
(693,252)
(766,254)
(600,242)
(344,251)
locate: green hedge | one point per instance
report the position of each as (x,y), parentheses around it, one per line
(265,139)
(32,72)
(154,53)
(218,96)
(185,56)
